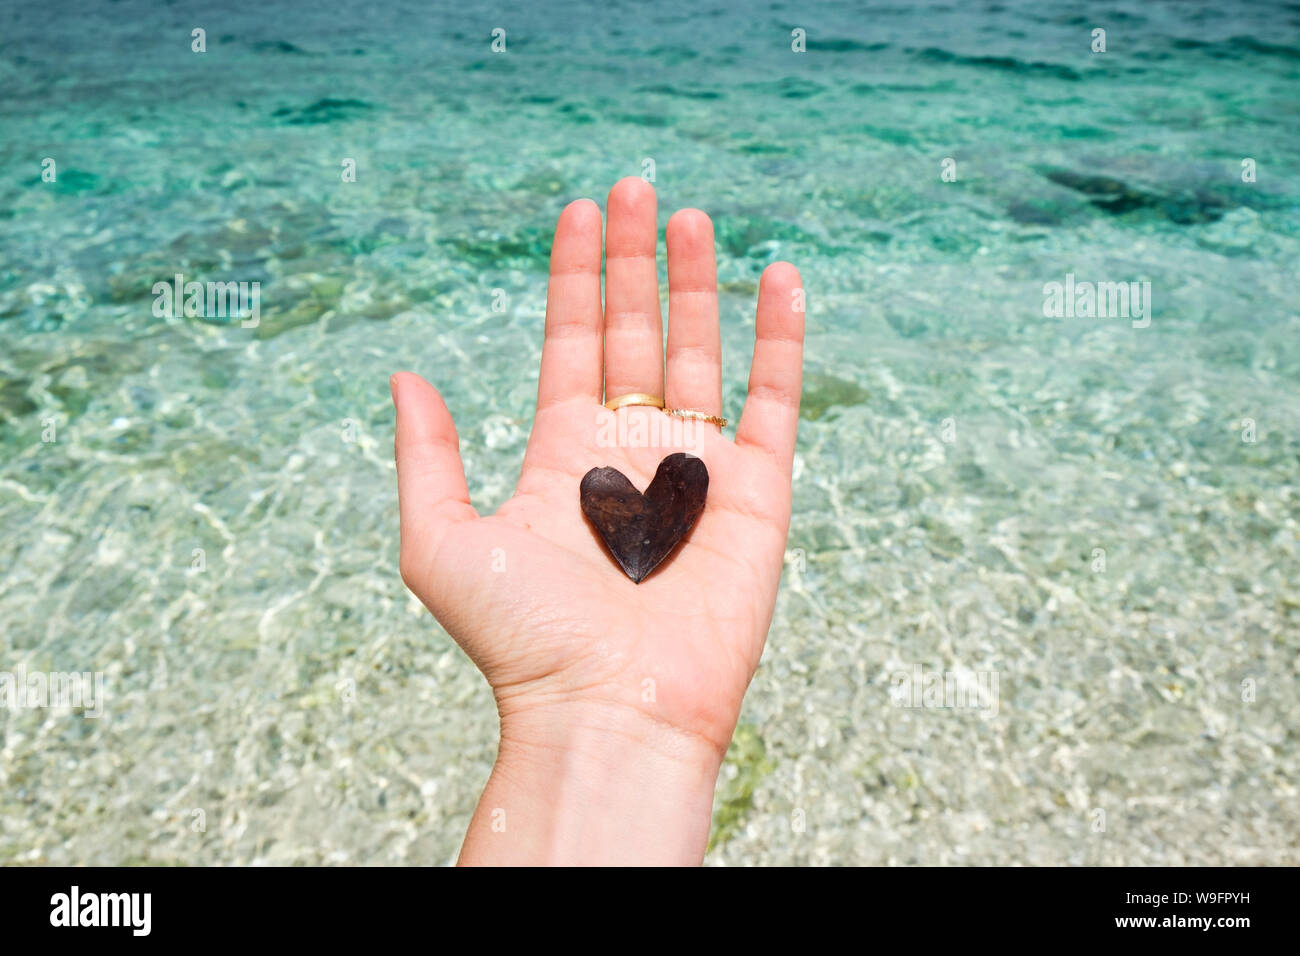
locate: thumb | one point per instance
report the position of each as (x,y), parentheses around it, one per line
(431,492)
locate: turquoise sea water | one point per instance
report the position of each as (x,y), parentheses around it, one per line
(1074,504)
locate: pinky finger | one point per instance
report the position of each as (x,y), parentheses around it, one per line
(770,419)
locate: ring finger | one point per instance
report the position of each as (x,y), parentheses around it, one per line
(694,340)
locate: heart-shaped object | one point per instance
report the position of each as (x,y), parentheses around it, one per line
(641,530)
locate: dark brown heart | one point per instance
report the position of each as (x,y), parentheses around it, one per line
(641,530)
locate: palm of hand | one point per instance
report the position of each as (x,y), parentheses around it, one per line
(531,593)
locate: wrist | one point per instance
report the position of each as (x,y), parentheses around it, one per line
(594,784)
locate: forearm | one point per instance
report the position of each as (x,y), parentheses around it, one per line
(594,786)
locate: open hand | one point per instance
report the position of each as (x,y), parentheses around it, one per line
(582,660)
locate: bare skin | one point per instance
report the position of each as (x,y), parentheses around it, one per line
(617,701)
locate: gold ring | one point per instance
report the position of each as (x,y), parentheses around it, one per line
(697,416)
(634,398)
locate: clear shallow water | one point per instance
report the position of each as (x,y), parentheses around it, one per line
(269,449)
